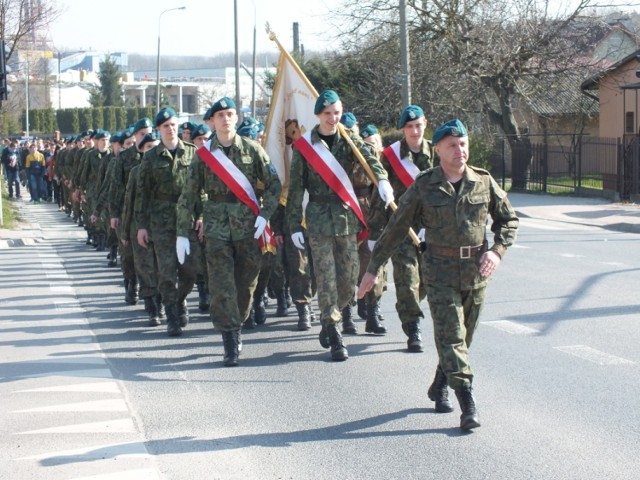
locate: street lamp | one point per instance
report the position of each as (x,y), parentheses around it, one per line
(158,60)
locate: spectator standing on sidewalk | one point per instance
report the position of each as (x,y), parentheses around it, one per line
(35,166)
(11,162)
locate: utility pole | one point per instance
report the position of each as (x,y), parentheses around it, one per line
(405,68)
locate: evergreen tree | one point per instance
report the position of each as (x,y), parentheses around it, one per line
(110,91)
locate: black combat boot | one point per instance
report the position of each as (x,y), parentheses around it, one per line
(89,240)
(152,309)
(287,296)
(173,321)
(338,350)
(131,296)
(323,336)
(362,308)
(113,256)
(183,313)
(373,325)
(469,417)
(348,327)
(161,311)
(250,322)
(282,309)
(230,341)
(203,296)
(414,338)
(304,316)
(439,393)
(259,313)
(101,242)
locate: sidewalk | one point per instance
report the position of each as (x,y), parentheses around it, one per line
(621,217)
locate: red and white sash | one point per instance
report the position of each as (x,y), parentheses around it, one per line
(330,170)
(239,185)
(405,169)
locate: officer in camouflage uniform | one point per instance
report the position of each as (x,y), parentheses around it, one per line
(332,226)
(128,158)
(78,179)
(163,172)
(144,259)
(231,227)
(452,202)
(416,150)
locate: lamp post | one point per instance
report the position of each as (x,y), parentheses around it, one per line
(158,59)
(253,85)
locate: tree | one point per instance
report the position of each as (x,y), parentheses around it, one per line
(480,58)
(109,93)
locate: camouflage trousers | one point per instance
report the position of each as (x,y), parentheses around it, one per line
(199,254)
(410,289)
(335,263)
(127,263)
(364,255)
(299,271)
(144,260)
(455,316)
(266,272)
(233,268)
(175,281)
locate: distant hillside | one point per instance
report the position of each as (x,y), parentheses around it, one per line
(149,62)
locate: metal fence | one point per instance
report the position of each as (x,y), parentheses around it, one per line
(582,165)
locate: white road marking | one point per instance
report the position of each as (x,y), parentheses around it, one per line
(512,327)
(111,405)
(593,355)
(123,425)
(94,387)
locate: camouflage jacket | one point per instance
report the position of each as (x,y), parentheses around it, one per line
(451,220)
(128,227)
(161,178)
(325,214)
(102,201)
(378,214)
(225,217)
(124,162)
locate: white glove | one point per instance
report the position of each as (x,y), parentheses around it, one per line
(386,192)
(182,248)
(261,224)
(421,235)
(298,240)
(371,244)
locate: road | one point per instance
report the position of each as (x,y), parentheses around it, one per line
(89,391)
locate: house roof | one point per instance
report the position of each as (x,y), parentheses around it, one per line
(558,95)
(593,81)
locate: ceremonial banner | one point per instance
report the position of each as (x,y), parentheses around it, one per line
(290,116)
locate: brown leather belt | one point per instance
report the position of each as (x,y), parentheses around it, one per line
(455,252)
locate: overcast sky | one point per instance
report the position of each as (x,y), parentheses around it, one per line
(204,28)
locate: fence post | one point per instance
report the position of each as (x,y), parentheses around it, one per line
(579,166)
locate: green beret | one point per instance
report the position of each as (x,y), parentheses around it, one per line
(100,134)
(188,126)
(326,98)
(80,137)
(86,133)
(142,123)
(207,115)
(127,134)
(368,130)
(249,132)
(115,138)
(348,119)
(224,103)
(261,127)
(412,112)
(200,130)
(149,137)
(249,122)
(455,128)
(165,114)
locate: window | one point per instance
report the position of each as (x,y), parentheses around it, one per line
(628,123)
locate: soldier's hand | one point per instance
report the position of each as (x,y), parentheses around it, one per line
(298,240)
(143,237)
(93,219)
(182,248)
(125,242)
(279,240)
(199,228)
(489,261)
(260,225)
(386,192)
(115,223)
(367,283)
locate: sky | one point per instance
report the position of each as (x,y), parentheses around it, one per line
(204,28)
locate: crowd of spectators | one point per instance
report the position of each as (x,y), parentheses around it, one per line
(28,164)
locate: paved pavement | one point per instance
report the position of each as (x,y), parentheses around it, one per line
(65,415)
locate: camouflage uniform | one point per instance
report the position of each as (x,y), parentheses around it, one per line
(102,208)
(331,226)
(89,184)
(160,181)
(455,288)
(233,256)
(410,289)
